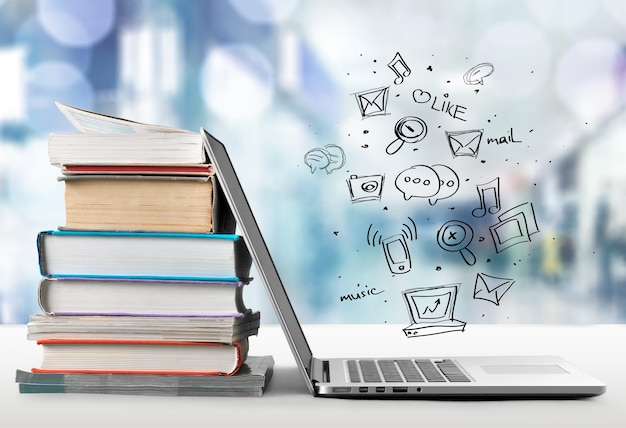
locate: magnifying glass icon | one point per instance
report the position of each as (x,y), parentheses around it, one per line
(409,129)
(455,236)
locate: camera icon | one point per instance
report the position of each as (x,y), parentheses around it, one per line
(365,187)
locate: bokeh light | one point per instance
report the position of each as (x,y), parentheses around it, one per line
(237,81)
(558,14)
(76,22)
(521,55)
(585,78)
(265,11)
(41,47)
(55,81)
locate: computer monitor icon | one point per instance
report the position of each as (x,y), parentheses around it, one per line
(431,310)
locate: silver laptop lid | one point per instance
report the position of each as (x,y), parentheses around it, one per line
(260,254)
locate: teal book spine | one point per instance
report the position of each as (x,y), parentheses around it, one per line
(143,255)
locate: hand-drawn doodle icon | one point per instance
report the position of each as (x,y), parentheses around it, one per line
(516,226)
(448,183)
(431,310)
(422,181)
(409,129)
(491,188)
(372,102)
(396,63)
(455,236)
(366,187)
(476,74)
(491,288)
(395,247)
(329,158)
(397,254)
(465,143)
(420,96)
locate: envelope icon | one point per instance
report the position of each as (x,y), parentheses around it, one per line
(373,102)
(465,143)
(491,288)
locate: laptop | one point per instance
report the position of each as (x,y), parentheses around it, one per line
(403,377)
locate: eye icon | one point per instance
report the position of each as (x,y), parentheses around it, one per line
(370,186)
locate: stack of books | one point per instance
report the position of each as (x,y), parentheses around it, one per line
(142,289)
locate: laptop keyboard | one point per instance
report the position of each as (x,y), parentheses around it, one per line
(421,370)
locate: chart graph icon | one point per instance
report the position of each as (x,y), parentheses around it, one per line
(431,310)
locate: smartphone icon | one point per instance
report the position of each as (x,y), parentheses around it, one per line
(397,254)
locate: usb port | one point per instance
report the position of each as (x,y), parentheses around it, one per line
(400,389)
(363,388)
(380,389)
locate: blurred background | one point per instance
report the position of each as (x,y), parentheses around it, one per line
(308,95)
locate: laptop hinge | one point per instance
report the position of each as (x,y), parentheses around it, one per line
(320,371)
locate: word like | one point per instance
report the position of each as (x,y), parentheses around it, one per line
(455,111)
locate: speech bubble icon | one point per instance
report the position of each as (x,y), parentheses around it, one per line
(336,157)
(448,183)
(316,159)
(476,74)
(420,181)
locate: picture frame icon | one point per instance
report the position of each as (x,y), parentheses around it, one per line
(397,254)
(515,226)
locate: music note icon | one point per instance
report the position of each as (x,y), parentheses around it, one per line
(491,188)
(400,67)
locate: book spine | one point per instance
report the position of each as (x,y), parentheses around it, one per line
(241,266)
(241,351)
(40,253)
(151,315)
(138,234)
(144,277)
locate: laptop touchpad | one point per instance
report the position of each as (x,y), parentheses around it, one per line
(523,369)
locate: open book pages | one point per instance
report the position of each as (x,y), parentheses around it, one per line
(86,121)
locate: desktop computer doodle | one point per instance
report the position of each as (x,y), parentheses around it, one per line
(431,310)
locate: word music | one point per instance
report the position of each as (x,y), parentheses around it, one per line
(361,294)
(455,111)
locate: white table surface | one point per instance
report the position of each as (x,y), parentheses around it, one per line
(597,349)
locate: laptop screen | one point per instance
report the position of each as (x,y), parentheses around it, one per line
(258,249)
